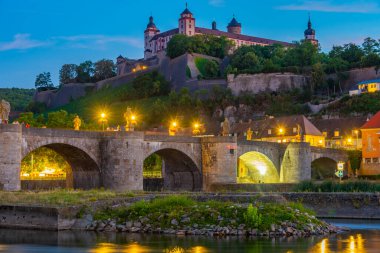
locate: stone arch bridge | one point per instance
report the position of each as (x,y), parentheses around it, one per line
(114,160)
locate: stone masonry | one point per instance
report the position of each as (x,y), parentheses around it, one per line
(114,160)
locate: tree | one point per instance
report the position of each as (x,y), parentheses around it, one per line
(43,80)
(370,60)
(104,69)
(317,76)
(85,72)
(370,46)
(211,69)
(60,119)
(68,73)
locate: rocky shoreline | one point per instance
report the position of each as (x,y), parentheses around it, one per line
(184,227)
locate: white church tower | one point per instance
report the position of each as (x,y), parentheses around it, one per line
(186,23)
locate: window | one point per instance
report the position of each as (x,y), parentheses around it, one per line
(336,133)
(368,160)
(375,160)
(189,33)
(269,131)
(324,134)
(294,130)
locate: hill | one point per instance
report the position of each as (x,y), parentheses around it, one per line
(364,104)
(19,98)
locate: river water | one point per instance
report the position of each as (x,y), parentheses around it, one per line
(363,238)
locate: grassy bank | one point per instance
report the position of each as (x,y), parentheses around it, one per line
(181,212)
(58,197)
(331,186)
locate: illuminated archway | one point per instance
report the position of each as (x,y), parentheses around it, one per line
(73,166)
(255,167)
(323,168)
(172,170)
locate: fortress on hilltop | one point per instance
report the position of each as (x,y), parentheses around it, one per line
(156,42)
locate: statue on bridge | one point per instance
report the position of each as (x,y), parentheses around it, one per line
(130,119)
(77,123)
(249,134)
(5,109)
(226,127)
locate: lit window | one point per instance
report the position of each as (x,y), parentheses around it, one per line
(368,160)
(336,133)
(324,134)
(294,130)
(269,131)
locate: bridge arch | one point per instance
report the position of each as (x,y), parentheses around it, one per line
(323,167)
(85,170)
(180,171)
(256,167)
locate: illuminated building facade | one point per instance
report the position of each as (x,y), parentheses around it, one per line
(371,146)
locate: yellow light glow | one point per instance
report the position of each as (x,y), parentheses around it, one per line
(349,140)
(174,124)
(281,130)
(102,115)
(356,132)
(196,125)
(133,117)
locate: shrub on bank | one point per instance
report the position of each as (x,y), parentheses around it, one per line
(331,186)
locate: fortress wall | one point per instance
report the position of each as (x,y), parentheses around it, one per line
(265,82)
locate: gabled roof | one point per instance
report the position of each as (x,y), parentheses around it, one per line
(345,126)
(374,122)
(260,128)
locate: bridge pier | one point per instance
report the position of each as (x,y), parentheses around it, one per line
(296,163)
(219,161)
(10,157)
(122,163)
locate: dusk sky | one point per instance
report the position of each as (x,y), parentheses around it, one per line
(41,35)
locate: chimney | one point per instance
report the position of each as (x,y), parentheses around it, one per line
(214,26)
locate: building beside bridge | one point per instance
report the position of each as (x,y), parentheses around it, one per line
(371,146)
(282,130)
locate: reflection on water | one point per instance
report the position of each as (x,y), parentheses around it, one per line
(21,241)
(351,243)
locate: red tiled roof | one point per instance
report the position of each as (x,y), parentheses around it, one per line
(374,122)
(226,34)
(240,37)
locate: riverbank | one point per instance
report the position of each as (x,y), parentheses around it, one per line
(182,215)
(61,211)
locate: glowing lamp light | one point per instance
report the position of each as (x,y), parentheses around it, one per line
(281,130)
(262,169)
(174,124)
(133,117)
(349,140)
(196,125)
(102,115)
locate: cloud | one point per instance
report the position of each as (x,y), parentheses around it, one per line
(89,40)
(216,3)
(328,6)
(22,41)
